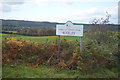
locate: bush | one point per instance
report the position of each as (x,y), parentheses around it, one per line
(94,56)
(94,59)
(15,51)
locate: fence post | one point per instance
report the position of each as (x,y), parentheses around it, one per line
(80,43)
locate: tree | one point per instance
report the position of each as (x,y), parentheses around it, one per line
(105,20)
(99,28)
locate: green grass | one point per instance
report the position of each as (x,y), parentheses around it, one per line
(39,38)
(42,71)
(23,71)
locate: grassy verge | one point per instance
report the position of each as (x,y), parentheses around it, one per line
(42,71)
(23,71)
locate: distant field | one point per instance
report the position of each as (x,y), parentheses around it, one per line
(39,38)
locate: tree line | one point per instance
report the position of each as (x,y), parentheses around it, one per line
(37,32)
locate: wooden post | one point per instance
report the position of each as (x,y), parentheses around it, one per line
(59,47)
(80,43)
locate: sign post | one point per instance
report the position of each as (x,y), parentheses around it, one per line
(69,29)
(80,43)
(59,47)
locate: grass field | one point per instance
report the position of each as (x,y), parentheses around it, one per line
(39,38)
(42,71)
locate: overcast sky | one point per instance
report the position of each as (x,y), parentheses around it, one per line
(77,11)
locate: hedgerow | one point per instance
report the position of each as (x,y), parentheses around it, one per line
(93,56)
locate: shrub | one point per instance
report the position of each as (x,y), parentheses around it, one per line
(93,56)
(15,51)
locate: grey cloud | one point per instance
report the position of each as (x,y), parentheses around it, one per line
(7,5)
(13,2)
(6,8)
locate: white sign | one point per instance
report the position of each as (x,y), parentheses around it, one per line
(69,29)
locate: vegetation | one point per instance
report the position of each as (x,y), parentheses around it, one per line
(37,32)
(95,56)
(14,25)
(42,71)
(32,28)
(37,55)
(38,38)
